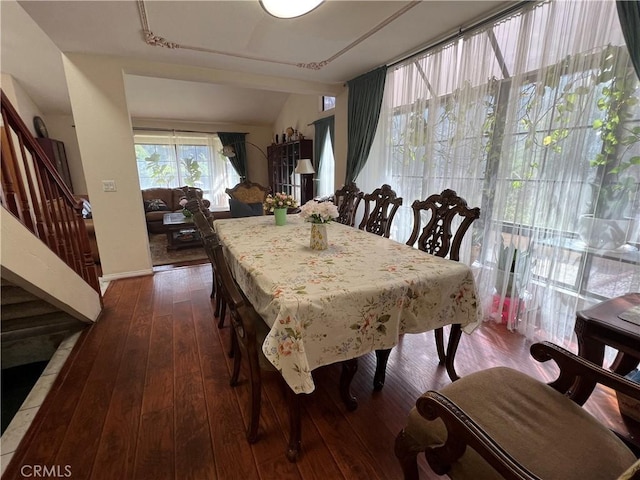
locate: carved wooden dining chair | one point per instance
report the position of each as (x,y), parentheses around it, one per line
(206,232)
(347,200)
(500,424)
(248,192)
(191,194)
(378,219)
(196,204)
(249,333)
(437,238)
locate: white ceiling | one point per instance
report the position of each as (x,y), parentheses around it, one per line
(333,44)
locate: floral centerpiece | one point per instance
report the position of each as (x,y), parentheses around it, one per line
(185,211)
(319,214)
(278,204)
(279,200)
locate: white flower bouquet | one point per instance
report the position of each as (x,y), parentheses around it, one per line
(318,212)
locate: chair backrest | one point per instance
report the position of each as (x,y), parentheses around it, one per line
(347,200)
(379,218)
(202,223)
(436,237)
(248,192)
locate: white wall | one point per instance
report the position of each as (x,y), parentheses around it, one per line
(297,112)
(301,110)
(341,141)
(23,104)
(27,257)
(103,128)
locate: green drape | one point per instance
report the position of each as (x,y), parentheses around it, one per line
(239,162)
(321,126)
(365,101)
(629,14)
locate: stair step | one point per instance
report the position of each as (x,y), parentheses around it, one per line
(26,309)
(37,325)
(11,294)
(37,347)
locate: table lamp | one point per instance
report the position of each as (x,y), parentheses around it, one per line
(306,171)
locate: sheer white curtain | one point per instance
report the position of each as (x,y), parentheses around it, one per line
(526,118)
(223,175)
(326,172)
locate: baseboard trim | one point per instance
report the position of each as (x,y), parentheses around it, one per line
(117,276)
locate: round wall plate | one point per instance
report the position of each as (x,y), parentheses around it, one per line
(40,127)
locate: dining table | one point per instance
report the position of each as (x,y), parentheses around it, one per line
(359,295)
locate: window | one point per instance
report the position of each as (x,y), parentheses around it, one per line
(328,103)
(534,118)
(326,172)
(175,160)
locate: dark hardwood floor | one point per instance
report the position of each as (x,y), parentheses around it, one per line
(145,394)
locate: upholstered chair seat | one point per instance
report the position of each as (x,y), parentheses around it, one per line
(501,424)
(543,430)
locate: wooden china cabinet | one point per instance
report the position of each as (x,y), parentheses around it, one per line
(283,158)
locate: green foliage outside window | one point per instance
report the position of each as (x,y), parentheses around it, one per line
(555,106)
(612,89)
(192,172)
(161,172)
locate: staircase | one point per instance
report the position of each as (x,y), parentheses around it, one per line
(31,329)
(49,287)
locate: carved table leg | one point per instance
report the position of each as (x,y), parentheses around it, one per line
(381,368)
(349,369)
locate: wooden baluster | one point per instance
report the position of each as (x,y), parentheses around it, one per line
(9,198)
(22,208)
(34,192)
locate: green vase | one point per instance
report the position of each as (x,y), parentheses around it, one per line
(281,216)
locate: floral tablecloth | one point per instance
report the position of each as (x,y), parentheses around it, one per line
(357,296)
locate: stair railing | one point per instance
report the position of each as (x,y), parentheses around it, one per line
(35,194)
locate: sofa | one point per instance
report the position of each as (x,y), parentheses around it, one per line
(158,201)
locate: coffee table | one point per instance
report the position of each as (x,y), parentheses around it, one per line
(181,232)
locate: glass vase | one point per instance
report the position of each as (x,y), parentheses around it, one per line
(319,240)
(280,215)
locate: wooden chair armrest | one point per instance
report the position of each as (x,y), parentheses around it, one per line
(462,431)
(572,367)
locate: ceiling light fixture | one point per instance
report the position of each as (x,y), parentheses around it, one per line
(289,8)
